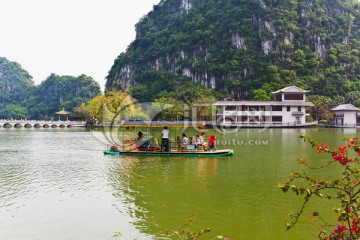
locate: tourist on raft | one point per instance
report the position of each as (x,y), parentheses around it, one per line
(142,141)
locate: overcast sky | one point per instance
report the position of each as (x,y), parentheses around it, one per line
(68,37)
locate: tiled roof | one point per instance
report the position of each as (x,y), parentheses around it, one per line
(262,103)
(291,89)
(345,107)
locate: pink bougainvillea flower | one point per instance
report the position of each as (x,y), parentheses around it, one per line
(338,157)
(339,229)
(355,181)
(354,141)
(354,228)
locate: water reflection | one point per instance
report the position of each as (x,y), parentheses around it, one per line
(205,170)
(157,190)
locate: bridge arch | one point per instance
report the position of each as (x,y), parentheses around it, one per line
(28,125)
(7,125)
(37,125)
(18,125)
(54,126)
(46,125)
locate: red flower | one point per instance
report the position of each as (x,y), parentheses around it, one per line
(338,157)
(322,147)
(318,149)
(354,227)
(342,149)
(339,230)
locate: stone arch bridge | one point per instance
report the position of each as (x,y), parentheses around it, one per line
(40,124)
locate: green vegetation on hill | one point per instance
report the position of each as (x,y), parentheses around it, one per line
(58,92)
(244,48)
(20,98)
(15,87)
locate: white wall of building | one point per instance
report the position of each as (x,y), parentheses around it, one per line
(350,117)
(287,116)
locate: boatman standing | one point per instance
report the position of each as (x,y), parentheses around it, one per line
(165,139)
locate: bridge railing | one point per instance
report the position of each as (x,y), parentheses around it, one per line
(40,121)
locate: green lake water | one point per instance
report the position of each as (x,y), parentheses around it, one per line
(57,184)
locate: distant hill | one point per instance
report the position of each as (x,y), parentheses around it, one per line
(57,92)
(21,98)
(14,82)
(245,48)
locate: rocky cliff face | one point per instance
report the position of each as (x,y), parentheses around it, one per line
(226,43)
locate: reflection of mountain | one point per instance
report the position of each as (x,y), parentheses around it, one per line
(162,193)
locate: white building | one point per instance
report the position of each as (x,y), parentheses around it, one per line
(346,115)
(287,109)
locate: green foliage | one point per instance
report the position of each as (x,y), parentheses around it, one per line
(16,86)
(261,95)
(321,108)
(117,234)
(109,108)
(58,92)
(20,98)
(15,111)
(220,44)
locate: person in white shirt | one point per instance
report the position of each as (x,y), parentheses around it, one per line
(201,140)
(185,140)
(165,139)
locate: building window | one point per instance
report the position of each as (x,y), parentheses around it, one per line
(254,108)
(254,119)
(244,118)
(230,108)
(276,108)
(293,97)
(262,108)
(245,108)
(288,108)
(230,120)
(299,109)
(276,119)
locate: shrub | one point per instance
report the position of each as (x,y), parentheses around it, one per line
(345,190)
